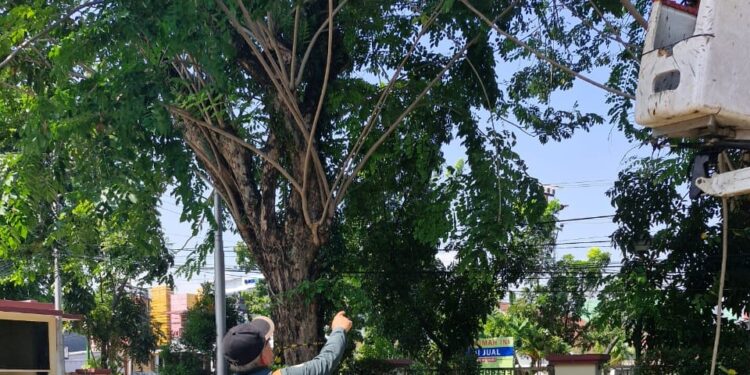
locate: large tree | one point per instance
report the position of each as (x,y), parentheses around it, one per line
(285,106)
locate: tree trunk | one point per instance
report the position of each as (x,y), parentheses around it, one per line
(104,356)
(289,264)
(637,338)
(297,331)
(272,224)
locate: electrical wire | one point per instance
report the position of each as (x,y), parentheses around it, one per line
(576,219)
(722,276)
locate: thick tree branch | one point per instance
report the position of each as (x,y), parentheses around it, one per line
(295,35)
(265,64)
(259,32)
(635,13)
(47,29)
(219,166)
(267,42)
(284,94)
(321,99)
(370,123)
(187,116)
(282,54)
(268,187)
(314,38)
(544,57)
(213,165)
(401,118)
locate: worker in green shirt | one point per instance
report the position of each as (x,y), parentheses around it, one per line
(248,348)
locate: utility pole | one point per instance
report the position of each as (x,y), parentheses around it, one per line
(219,288)
(58,319)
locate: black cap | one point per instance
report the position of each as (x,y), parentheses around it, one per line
(244,343)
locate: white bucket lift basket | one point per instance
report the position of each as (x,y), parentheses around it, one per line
(694,78)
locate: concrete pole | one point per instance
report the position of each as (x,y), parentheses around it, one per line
(219,288)
(58,320)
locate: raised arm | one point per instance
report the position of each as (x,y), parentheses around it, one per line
(330,356)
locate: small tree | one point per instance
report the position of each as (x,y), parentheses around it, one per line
(562,302)
(530,338)
(120,327)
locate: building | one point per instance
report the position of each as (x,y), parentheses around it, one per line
(179,305)
(239,284)
(168,311)
(28,339)
(160,307)
(75,351)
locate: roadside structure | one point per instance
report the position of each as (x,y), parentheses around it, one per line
(28,343)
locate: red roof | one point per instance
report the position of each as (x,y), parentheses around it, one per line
(34,307)
(676,5)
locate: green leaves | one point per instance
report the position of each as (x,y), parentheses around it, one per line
(521,321)
(611,6)
(671,250)
(447,5)
(199,330)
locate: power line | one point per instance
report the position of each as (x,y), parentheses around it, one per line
(576,219)
(599,181)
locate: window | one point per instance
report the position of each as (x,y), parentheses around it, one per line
(24,345)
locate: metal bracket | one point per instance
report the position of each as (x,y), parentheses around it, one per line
(727,184)
(700,169)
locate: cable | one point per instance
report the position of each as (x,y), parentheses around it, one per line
(724,238)
(576,219)
(168,210)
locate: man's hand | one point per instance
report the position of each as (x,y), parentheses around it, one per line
(341,321)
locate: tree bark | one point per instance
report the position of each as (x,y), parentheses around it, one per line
(297,330)
(280,240)
(286,266)
(289,262)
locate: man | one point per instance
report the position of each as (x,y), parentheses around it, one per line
(249,349)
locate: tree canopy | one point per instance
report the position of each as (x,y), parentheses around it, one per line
(283,107)
(322,126)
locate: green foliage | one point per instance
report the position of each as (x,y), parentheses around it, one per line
(562,302)
(521,322)
(199,330)
(665,294)
(410,297)
(245,259)
(119,324)
(256,301)
(89,102)
(107,238)
(601,337)
(367,366)
(180,362)
(554,317)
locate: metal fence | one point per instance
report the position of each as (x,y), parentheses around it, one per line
(638,370)
(487,371)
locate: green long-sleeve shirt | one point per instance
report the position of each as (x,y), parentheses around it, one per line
(328,359)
